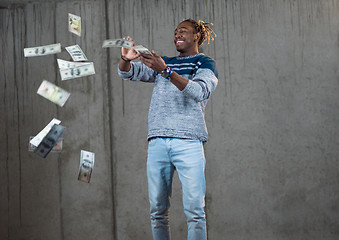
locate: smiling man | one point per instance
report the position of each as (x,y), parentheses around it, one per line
(176,124)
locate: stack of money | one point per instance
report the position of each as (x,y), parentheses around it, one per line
(85,69)
(49,138)
(56,148)
(86,166)
(117,43)
(53,93)
(38,138)
(69,70)
(49,141)
(42,50)
(63,64)
(74,24)
(125,44)
(142,49)
(76,53)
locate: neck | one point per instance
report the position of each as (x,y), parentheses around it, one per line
(190,52)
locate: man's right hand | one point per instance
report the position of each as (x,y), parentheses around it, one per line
(129,53)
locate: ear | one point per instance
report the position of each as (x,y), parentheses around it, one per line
(197,36)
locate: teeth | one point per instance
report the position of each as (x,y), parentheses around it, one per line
(180,41)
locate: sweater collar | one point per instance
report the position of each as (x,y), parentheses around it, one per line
(188,57)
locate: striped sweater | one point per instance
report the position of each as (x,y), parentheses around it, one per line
(175,113)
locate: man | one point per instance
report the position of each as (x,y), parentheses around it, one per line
(176,123)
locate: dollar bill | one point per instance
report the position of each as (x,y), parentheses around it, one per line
(56,148)
(86,166)
(76,72)
(74,24)
(42,50)
(76,53)
(117,43)
(49,141)
(53,93)
(68,64)
(38,138)
(142,49)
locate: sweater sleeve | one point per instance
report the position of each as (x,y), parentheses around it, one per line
(138,72)
(203,83)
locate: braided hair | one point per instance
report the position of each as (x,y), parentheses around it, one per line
(206,32)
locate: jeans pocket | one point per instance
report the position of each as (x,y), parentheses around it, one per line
(151,142)
(189,141)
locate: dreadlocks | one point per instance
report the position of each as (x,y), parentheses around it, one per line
(206,31)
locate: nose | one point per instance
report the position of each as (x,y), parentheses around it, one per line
(177,36)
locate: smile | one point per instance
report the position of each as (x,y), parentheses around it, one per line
(179,42)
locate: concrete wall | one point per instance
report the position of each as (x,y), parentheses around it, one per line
(272,158)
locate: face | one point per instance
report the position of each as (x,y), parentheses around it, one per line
(185,39)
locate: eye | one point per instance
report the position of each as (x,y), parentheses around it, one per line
(180,31)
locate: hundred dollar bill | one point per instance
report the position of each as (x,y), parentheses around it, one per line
(76,53)
(74,24)
(38,138)
(53,93)
(142,49)
(56,148)
(117,43)
(86,166)
(68,64)
(42,50)
(76,72)
(49,141)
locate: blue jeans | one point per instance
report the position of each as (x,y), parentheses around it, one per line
(187,157)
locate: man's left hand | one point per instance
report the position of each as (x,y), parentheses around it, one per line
(154,62)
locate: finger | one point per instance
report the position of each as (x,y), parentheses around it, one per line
(154,54)
(146,55)
(130,39)
(135,52)
(145,61)
(132,56)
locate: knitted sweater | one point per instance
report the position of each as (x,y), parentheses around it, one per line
(175,113)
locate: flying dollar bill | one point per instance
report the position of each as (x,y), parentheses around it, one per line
(74,24)
(142,49)
(56,148)
(86,166)
(117,43)
(76,53)
(49,141)
(42,50)
(38,138)
(76,72)
(53,93)
(63,64)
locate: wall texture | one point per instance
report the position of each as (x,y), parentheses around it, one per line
(272,158)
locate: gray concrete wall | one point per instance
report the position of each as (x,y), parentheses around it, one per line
(272,158)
